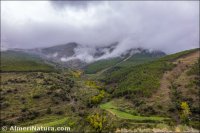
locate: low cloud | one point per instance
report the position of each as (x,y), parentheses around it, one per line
(59,5)
(168,26)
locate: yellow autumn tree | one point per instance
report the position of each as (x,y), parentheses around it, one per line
(97,99)
(185,112)
(97,121)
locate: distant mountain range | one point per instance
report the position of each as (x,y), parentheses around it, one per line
(78,56)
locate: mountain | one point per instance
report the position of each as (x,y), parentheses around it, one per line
(139,94)
(70,54)
(58,54)
(74,55)
(131,57)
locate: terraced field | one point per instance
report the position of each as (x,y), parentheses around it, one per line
(109,106)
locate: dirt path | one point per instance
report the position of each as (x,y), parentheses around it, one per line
(162,96)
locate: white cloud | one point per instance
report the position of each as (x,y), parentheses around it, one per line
(169,26)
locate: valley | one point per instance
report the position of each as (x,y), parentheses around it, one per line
(85,66)
(141,92)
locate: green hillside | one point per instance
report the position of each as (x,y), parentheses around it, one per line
(100,65)
(142,83)
(142,93)
(126,61)
(41,98)
(155,68)
(20,61)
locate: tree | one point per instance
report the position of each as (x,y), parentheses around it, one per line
(185,113)
(97,99)
(97,121)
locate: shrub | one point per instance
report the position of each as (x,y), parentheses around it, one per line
(36,96)
(4,104)
(33,114)
(23,100)
(49,92)
(49,111)
(59,112)
(185,112)
(73,108)
(9,91)
(24,109)
(195,69)
(97,121)
(97,99)
(28,115)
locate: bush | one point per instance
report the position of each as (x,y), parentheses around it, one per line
(97,99)
(9,91)
(36,96)
(59,112)
(73,108)
(195,70)
(97,121)
(23,100)
(185,113)
(24,109)
(4,104)
(28,115)
(49,111)
(33,114)
(62,94)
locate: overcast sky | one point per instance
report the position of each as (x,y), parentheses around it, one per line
(169,26)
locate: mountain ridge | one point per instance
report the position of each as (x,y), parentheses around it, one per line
(74,55)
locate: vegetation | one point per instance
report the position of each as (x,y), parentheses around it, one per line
(19,61)
(77,73)
(141,80)
(98,98)
(138,85)
(127,98)
(49,96)
(92,84)
(97,121)
(124,114)
(100,65)
(185,113)
(195,69)
(125,61)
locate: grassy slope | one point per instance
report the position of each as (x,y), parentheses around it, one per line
(142,79)
(140,82)
(137,59)
(118,62)
(100,65)
(19,61)
(125,115)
